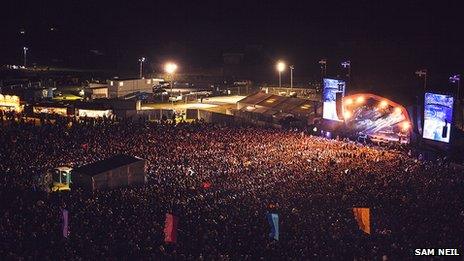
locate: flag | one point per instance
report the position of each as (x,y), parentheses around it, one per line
(362,216)
(206,185)
(65,217)
(273,220)
(170,228)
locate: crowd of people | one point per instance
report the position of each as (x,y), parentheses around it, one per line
(312,183)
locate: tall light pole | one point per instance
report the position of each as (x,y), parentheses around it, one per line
(141,61)
(170,68)
(25,55)
(347,65)
(291,77)
(423,73)
(280,66)
(456,79)
(323,63)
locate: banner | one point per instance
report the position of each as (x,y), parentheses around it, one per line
(273,220)
(65,217)
(362,216)
(170,229)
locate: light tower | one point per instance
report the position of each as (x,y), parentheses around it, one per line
(456,79)
(323,63)
(423,73)
(291,77)
(347,65)
(141,61)
(25,55)
(170,68)
(280,66)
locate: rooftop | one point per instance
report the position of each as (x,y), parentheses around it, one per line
(114,162)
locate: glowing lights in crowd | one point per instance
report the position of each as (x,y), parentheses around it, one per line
(348,101)
(397,110)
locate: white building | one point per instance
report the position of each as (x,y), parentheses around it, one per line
(121,87)
(98,90)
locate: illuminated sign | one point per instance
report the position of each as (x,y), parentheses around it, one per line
(94,113)
(438,114)
(332,89)
(10,102)
(50,110)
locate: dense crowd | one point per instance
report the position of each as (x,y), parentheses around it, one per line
(313,183)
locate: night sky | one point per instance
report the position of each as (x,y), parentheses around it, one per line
(385,42)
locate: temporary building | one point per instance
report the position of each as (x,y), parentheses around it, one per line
(117,171)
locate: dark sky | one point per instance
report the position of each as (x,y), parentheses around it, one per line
(385,42)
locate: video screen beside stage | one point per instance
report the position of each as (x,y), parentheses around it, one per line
(333,90)
(438,114)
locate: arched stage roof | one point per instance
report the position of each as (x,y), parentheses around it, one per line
(379,98)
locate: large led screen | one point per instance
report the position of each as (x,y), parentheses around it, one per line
(438,114)
(332,88)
